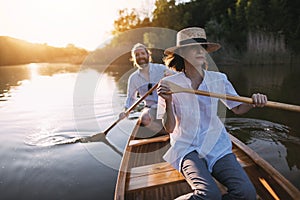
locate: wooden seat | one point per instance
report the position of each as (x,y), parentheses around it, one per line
(153,175)
(149,176)
(163,173)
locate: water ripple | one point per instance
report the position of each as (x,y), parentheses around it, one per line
(51,139)
(248,130)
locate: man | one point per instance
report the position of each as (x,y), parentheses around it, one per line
(143,79)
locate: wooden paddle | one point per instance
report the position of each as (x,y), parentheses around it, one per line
(177,89)
(101,136)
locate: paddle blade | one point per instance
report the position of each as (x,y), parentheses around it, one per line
(94,138)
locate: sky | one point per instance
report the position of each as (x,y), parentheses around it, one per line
(83,23)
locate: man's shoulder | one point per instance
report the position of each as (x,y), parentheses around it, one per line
(133,74)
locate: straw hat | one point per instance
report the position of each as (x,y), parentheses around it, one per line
(192,36)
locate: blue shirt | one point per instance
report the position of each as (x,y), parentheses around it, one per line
(198,126)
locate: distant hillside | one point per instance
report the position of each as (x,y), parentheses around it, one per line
(14,51)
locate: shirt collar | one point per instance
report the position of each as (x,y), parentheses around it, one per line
(150,68)
(189,81)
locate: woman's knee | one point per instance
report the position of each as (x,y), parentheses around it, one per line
(248,191)
(244,191)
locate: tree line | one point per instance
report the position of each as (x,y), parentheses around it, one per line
(266,30)
(14,51)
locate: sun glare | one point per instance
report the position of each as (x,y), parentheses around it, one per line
(33,67)
(61,22)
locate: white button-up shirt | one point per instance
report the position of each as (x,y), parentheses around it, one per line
(198,127)
(138,84)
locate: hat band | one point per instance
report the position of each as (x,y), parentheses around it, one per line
(193,40)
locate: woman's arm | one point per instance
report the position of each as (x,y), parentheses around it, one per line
(169,120)
(259,100)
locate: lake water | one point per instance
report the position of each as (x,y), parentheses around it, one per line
(43,107)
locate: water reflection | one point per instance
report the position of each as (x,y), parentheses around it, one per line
(120,73)
(57,68)
(262,133)
(249,129)
(280,83)
(291,87)
(10,76)
(292,156)
(259,78)
(13,76)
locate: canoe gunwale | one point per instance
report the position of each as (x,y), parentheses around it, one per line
(123,171)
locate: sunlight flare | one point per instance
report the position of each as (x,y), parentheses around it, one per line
(61,22)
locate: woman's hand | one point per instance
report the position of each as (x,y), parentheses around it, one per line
(164,91)
(259,100)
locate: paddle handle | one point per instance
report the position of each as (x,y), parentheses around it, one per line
(130,108)
(248,100)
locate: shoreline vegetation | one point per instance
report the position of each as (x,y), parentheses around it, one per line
(261,49)
(15,51)
(251,33)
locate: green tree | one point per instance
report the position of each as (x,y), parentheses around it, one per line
(127,20)
(164,13)
(229,21)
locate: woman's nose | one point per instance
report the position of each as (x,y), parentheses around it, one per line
(200,49)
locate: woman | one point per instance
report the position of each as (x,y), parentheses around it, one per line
(200,146)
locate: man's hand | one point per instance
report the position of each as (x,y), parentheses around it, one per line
(123,115)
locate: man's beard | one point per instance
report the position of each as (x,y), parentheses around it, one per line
(144,65)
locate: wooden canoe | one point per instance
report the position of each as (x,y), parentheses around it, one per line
(145,175)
